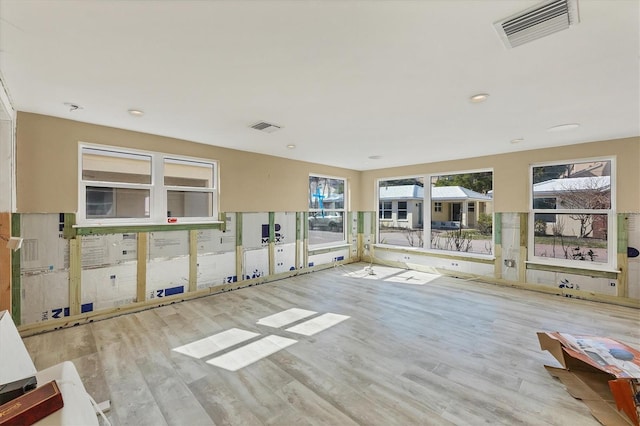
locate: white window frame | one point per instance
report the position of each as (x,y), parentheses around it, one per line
(427,221)
(426,212)
(611,264)
(157,189)
(343,210)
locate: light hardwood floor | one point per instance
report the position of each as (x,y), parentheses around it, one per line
(446,351)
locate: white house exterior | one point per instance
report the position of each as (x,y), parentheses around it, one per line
(402,206)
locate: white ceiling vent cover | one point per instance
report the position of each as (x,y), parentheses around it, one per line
(266,127)
(537,22)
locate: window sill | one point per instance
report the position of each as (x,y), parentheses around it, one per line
(123,228)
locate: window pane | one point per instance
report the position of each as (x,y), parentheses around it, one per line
(402,210)
(579,236)
(404,226)
(108,166)
(326,210)
(117,202)
(585,186)
(188,173)
(326,228)
(326,193)
(462,212)
(189,204)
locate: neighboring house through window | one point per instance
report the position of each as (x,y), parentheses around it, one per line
(572,211)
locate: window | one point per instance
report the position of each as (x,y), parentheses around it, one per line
(402,227)
(462,212)
(189,188)
(572,211)
(119,186)
(460,217)
(326,210)
(385,209)
(402,210)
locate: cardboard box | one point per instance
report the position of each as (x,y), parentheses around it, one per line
(602,372)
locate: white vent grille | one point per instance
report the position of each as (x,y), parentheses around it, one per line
(265,127)
(537,22)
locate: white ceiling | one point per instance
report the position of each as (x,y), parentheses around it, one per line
(346,80)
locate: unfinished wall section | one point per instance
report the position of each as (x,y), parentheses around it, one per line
(509,264)
(71,275)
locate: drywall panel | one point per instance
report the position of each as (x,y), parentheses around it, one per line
(167,277)
(285,227)
(44,248)
(109,287)
(511,172)
(216,269)
(255,263)
(168,244)
(255,230)
(250,182)
(330,257)
(45,296)
(285,257)
(111,249)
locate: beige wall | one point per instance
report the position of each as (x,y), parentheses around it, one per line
(47,162)
(47,167)
(511,173)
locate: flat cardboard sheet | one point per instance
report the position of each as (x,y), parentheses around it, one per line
(602,372)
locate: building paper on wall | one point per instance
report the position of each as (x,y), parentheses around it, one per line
(285,227)
(255,263)
(110,287)
(101,250)
(44,296)
(167,277)
(44,247)
(168,244)
(255,230)
(216,269)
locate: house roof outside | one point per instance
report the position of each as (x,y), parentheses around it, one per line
(558,186)
(438,193)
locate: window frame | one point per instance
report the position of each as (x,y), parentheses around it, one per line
(427,214)
(158,200)
(611,264)
(343,210)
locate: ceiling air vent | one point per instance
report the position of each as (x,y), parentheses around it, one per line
(537,22)
(266,127)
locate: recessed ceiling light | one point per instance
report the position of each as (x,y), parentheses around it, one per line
(136,112)
(291,146)
(515,141)
(563,127)
(375,157)
(480,97)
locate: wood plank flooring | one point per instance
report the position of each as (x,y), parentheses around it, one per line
(416,350)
